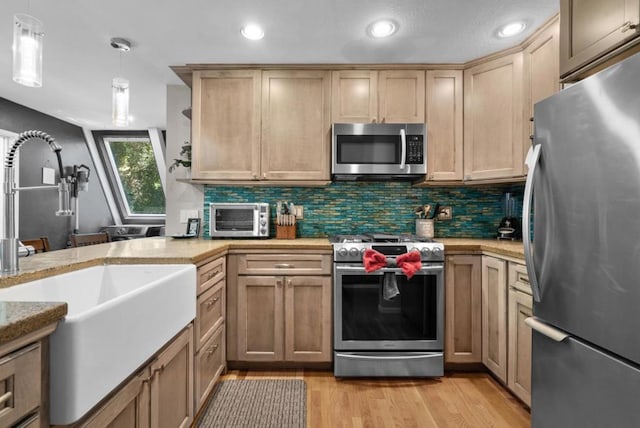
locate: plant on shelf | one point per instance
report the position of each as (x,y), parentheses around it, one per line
(184,152)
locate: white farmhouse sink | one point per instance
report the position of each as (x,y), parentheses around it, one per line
(118,317)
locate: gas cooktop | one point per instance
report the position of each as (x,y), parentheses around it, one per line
(351,248)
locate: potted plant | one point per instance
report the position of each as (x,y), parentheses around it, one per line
(185,152)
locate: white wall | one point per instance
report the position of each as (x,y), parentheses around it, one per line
(179,196)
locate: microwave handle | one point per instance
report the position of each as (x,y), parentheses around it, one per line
(403,157)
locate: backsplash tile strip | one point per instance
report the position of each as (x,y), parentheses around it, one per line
(358,207)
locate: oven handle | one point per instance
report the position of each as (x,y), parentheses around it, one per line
(385,270)
(393,357)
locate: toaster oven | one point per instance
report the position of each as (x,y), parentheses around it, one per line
(239,220)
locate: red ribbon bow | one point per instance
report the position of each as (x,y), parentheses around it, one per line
(409,262)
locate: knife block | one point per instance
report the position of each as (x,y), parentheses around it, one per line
(286,232)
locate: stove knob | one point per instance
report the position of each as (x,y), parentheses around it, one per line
(425,252)
(362,251)
(354,252)
(263,222)
(343,252)
(436,252)
(414,249)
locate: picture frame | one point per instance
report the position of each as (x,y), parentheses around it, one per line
(193,226)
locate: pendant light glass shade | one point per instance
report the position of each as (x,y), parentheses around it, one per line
(27,50)
(120,101)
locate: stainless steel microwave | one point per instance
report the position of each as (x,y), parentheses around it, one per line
(378,150)
(239,220)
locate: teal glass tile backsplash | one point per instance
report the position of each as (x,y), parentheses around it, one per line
(358,207)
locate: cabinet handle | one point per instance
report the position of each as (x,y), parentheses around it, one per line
(289,283)
(212,349)
(5,397)
(212,274)
(531,119)
(283,266)
(373,120)
(264,175)
(255,176)
(158,370)
(279,282)
(628,26)
(211,302)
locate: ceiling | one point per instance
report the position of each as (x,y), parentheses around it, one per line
(79,63)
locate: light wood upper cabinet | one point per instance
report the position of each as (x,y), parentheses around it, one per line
(296,124)
(226,124)
(444,125)
(387,96)
(463,321)
(591,28)
(493,119)
(401,96)
(540,76)
(494,316)
(354,96)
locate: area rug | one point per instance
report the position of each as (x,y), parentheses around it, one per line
(260,403)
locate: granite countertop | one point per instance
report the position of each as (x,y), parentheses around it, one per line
(19,318)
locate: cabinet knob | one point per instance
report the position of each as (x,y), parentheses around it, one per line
(289,283)
(264,175)
(374,119)
(255,176)
(279,282)
(628,26)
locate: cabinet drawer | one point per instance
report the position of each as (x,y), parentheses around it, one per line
(519,278)
(20,384)
(31,422)
(284,264)
(210,273)
(209,313)
(209,365)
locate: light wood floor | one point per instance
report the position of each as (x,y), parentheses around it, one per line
(456,400)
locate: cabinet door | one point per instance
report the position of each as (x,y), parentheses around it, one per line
(129,407)
(493,119)
(172,383)
(463,328)
(260,318)
(296,124)
(519,373)
(494,316)
(308,318)
(209,364)
(540,75)
(591,28)
(401,96)
(226,125)
(354,96)
(444,124)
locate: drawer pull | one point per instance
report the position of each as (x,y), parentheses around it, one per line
(6,397)
(212,301)
(212,349)
(628,26)
(212,274)
(283,266)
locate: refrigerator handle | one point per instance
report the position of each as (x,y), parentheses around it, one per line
(532,162)
(545,329)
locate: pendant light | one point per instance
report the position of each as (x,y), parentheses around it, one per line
(120,88)
(27,50)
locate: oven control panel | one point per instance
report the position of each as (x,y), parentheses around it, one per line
(354,252)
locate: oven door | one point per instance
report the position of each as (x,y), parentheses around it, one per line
(365,320)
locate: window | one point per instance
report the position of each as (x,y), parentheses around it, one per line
(132,163)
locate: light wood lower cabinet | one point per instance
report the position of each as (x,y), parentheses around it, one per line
(494,316)
(209,365)
(279,307)
(463,321)
(519,372)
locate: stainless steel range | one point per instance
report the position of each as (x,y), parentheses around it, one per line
(382,334)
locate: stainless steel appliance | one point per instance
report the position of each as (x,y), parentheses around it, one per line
(584,264)
(125,232)
(378,151)
(378,337)
(239,220)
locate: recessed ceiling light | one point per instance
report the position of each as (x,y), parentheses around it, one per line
(382,28)
(511,29)
(252,32)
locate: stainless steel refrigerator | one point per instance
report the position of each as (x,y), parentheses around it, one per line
(584,261)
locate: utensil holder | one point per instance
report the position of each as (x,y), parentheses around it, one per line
(286,232)
(424,228)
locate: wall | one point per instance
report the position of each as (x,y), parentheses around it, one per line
(179,196)
(357,207)
(37,207)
